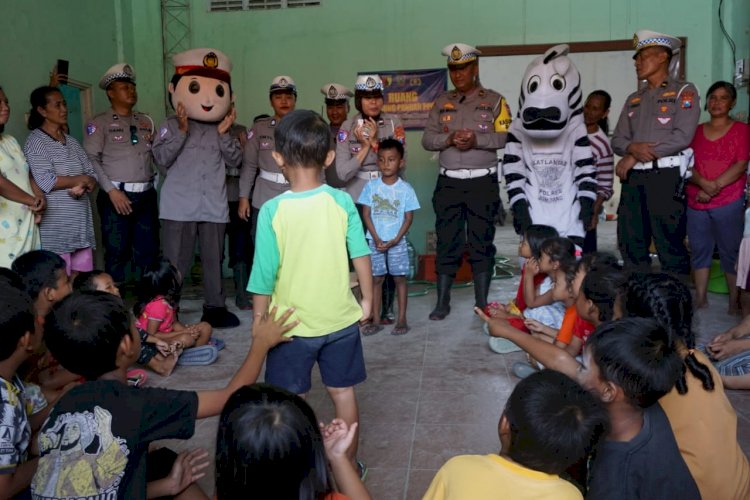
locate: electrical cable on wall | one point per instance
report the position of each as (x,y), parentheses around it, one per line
(732,45)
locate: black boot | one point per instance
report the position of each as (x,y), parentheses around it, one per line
(219,317)
(482,281)
(443,307)
(241,297)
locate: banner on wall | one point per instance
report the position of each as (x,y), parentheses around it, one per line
(410,94)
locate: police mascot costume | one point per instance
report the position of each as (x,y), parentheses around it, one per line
(195,147)
(548,166)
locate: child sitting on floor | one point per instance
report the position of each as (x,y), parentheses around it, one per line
(702,418)
(629,364)
(598,291)
(102,427)
(156,316)
(556,260)
(18,341)
(46,281)
(157,354)
(549,423)
(270,445)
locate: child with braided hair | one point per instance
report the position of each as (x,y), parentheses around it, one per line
(702,418)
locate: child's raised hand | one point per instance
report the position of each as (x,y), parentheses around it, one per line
(188,467)
(337,437)
(269,330)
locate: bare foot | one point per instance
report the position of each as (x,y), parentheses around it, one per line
(700,304)
(164,366)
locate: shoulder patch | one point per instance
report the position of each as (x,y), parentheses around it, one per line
(686,99)
(399,134)
(342,136)
(90,128)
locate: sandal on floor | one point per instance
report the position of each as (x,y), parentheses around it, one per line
(217,343)
(370,329)
(400,330)
(198,356)
(137,377)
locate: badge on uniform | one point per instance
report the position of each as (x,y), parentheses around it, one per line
(90,129)
(483,127)
(448,105)
(163,132)
(399,134)
(664,119)
(686,100)
(342,136)
(671,93)
(250,134)
(630,114)
(273,122)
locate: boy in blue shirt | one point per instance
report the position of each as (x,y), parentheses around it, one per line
(388,210)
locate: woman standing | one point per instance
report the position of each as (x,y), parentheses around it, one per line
(21,201)
(715,192)
(62,170)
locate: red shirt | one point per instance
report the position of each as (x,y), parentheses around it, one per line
(713,158)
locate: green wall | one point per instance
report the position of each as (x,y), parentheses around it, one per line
(335,41)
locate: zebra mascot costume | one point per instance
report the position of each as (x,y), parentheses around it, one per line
(548,166)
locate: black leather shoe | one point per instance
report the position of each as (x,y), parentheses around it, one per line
(219,317)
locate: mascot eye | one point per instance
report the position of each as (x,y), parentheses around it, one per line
(557,82)
(533,84)
(194,87)
(220,91)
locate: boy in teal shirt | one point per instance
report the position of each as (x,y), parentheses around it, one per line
(304,239)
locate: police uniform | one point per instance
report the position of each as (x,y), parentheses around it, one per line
(650,204)
(466,196)
(260,176)
(119,147)
(238,231)
(193,199)
(348,168)
(335,94)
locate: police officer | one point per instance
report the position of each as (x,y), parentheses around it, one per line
(467,126)
(337,104)
(358,138)
(337,109)
(656,125)
(260,175)
(118,143)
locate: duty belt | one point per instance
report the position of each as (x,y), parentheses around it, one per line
(133,187)
(467,173)
(273,177)
(683,160)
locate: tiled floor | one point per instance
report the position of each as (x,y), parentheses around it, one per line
(432,394)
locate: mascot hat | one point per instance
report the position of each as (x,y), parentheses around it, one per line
(210,63)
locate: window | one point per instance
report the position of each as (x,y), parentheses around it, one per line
(231,5)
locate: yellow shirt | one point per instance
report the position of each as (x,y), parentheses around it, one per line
(705,428)
(480,477)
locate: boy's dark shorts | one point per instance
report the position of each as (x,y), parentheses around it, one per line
(338,354)
(148,350)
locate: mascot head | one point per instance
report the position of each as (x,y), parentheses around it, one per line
(550,94)
(202,83)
